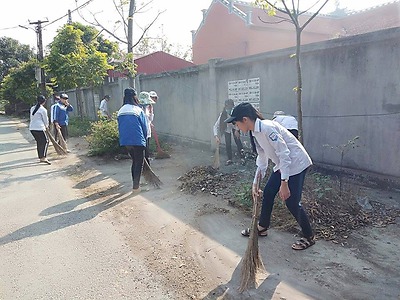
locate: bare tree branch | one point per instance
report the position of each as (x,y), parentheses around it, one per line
(314,15)
(277,22)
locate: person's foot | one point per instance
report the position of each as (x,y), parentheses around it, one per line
(228,162)
(45,161)
(68,151)
(136,191)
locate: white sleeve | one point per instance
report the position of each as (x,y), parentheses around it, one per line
(282,151)
(216,126)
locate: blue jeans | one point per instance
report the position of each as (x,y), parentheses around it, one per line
(296,183)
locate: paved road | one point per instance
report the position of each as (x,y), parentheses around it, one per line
(53,244)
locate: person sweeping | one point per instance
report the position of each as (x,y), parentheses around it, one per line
(273,141)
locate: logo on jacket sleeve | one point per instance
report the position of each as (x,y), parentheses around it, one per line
(273,136)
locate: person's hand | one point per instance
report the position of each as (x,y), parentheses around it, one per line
(217,140)
(284,192)
(57,125)
(237,133)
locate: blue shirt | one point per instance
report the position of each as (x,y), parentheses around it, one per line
(132,126)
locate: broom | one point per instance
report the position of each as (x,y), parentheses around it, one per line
(251,261)
(60,150)
(63,143)
(150,176)
(216,163)
(160,153)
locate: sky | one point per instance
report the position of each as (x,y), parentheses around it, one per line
(177,21)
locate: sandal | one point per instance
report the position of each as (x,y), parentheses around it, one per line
(303,243)
(44,160)
(262,232)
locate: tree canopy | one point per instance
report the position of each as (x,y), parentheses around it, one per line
(76,57)
(12,54)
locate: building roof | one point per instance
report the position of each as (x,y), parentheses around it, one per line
(159,62)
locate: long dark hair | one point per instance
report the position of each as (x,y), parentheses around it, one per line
(39,101)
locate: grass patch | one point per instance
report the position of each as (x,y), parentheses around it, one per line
(79,127)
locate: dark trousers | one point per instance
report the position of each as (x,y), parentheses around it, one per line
(296,183)
(42,143)
(295,132)
(137,154)
(228,144)
(64,132)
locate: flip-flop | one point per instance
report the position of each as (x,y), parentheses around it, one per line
(262,232)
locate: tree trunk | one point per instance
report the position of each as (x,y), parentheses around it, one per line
(299,84)
(130,35)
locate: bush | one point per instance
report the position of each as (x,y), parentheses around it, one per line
(104,138)
(78,127)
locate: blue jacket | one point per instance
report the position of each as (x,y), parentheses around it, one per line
(61,113)
(132,126)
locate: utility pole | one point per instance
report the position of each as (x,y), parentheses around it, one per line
(40,54)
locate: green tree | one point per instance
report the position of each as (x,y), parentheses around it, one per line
(289,11)
(12,54)
(19,87)
(74,60)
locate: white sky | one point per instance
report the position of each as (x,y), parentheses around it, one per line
(180,17)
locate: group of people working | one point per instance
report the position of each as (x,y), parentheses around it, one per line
(275,140)
(39,122)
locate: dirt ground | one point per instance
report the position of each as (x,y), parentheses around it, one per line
(193,241)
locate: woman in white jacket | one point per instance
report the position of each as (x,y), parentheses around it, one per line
(38,124)
(273,141)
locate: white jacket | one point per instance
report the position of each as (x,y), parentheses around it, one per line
(275,142)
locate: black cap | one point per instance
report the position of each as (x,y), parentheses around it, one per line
(130,92)
(239,111)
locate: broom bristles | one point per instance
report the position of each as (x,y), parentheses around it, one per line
(60,150)
(161,154)
(150,176)
(63,143)
(252,263)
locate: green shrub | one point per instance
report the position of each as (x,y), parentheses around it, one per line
(78,127)
(104,138)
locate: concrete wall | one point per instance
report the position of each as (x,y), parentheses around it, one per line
(350,88)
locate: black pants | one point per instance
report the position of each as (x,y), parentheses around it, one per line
(296,183)
(42,143)
(295,132)
(228,144)
(64,132)
(137,155)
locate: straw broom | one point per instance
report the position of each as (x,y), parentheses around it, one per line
(150,176)
(251,262)
(216,163)
(60,150)
(63,143)
(160,153)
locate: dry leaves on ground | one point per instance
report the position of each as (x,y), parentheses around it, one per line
(334,212)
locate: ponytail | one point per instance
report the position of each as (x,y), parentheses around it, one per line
(39,101)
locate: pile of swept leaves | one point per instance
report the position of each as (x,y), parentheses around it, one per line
(334,211)
(206,179)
